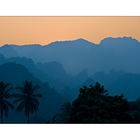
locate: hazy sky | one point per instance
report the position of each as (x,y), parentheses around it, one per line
(43,30)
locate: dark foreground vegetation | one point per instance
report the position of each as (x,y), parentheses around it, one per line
(26,99)
(93,105)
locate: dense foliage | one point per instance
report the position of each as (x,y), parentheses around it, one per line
(95,105)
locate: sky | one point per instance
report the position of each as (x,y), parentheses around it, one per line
(44,30)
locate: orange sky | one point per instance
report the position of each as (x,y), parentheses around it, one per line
(43,30)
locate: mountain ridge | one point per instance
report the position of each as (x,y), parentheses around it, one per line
(74,40)
(79,54)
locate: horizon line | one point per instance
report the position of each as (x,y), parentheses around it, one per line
(39,44)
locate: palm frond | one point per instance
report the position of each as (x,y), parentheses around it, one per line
(37,95)
(36,87)
(8,104)
(27,98)
(17,100)
(18,95)
(34,101)
(8,90)
(20,106)
(5,105)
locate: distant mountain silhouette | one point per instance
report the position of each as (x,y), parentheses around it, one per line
(68,65)
(110,53)
(8,51)
(120,82)
(15,73)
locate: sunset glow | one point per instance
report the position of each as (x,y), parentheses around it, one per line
(43,30)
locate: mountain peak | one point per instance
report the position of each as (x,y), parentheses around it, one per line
(124,38)
(81,39)
(76,42)
(119,41)
(84,40)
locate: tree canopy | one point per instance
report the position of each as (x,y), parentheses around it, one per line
(95,105)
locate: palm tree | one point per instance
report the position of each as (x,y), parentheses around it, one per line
(27,99)
(5,105)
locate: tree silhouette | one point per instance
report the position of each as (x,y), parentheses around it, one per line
(5,105)
(63,116)
(135,110)
(27,99)
(94,105)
